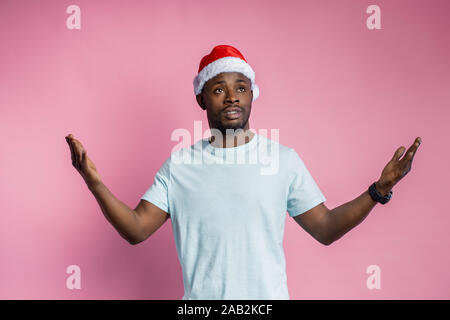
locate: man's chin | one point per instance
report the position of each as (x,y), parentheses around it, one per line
(222,126)
(237,126)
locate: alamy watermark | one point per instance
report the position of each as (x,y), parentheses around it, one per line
(74,280)
(265,152)
(374,280)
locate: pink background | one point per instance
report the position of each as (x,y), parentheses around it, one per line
(343,96)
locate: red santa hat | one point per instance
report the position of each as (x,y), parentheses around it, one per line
(223,58)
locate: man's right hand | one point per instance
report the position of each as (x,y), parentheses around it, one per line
(82,162)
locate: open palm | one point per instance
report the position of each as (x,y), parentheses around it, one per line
(80,160)
(397,168)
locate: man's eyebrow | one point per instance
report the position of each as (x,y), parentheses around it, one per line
(221,81)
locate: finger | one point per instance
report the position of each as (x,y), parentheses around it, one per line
(76,148)
(412,149)
(72,152)
(75,154)
(70,141)
(416,144)
(398,153)
(80,155)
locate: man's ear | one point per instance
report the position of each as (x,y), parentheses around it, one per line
(199,98)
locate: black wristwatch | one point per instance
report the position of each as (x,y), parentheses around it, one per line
(376,196)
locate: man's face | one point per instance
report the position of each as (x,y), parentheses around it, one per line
(228,91)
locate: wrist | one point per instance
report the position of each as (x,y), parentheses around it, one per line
(383,189)
(93,185)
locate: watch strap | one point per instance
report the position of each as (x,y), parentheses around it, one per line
(378,197)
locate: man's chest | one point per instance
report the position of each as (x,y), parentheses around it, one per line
(226,194)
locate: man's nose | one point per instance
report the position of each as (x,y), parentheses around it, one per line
(231,97)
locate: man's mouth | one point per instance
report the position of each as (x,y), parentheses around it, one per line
(232,113)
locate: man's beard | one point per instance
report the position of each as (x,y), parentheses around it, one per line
(239,125)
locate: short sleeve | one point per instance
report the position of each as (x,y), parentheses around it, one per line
(158,192)
(304,193)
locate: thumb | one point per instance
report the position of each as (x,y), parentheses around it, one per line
(398,153)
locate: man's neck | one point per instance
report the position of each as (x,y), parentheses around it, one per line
(232,140)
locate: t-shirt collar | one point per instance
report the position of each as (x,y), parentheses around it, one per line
(239,149)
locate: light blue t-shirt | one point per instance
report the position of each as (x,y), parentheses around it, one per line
(228,216)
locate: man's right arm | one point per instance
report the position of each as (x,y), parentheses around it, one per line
(123,218)
(133,225)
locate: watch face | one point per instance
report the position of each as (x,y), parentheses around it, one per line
(387,197)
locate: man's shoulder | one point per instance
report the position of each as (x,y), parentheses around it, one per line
(275,144)
(184,154)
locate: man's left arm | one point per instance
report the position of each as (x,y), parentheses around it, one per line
(342,219)
(329,225)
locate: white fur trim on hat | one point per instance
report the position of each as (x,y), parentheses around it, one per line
(225,64)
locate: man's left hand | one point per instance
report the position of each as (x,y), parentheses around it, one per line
(397,168)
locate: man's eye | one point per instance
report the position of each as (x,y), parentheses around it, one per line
(222,89)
